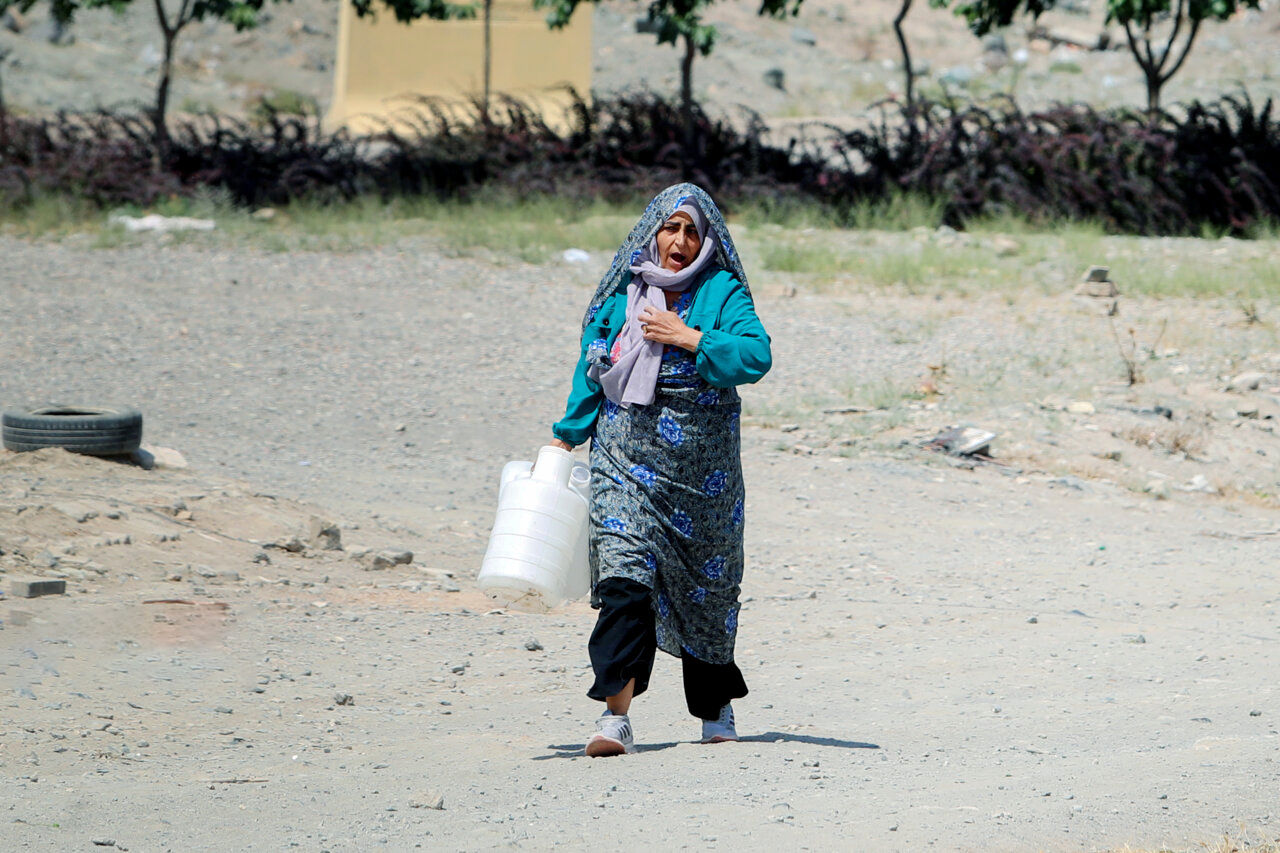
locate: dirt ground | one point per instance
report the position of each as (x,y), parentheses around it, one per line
(835,58)
(1071,647)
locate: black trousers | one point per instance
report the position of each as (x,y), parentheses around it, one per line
(623,646)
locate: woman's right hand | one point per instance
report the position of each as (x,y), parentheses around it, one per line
(563,445)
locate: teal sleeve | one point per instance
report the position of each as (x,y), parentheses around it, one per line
(585,395)
(736,351)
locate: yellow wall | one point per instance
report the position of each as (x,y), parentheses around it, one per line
(382,64)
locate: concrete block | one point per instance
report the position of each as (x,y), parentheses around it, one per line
(33,587)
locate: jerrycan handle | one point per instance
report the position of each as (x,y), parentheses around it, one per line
(553,465)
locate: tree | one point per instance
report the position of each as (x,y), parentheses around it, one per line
(676,22)
(907,69)
(1153,54)
(242,14)
(1159,57)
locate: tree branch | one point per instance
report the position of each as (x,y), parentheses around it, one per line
(164,19)
(1191,37)
(906,54)
(1178,17)
(1134,49)
(184,15)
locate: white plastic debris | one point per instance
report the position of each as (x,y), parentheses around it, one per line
(576,256)
(163,224)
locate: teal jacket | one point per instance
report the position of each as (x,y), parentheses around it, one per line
(734,349)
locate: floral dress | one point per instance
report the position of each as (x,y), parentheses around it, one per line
(666,508)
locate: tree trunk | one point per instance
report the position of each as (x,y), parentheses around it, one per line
(488,58)
(686,104)
(4,54)
(1154,84)
(907,68)
(169,33)
(162,92)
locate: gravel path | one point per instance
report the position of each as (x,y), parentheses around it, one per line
(963,659)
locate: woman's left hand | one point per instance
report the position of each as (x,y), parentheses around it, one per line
(666,327)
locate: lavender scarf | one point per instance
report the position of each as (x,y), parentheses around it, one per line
(633,375)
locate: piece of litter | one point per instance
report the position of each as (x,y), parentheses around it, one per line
(961,441)
(163,224)
(576,256)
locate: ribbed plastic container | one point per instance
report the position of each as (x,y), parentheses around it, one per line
(537,554)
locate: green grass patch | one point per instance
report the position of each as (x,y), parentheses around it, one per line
(792,239)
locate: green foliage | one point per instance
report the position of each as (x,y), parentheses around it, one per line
(413,10)
(985,15)
(282,102)
(1145,13)
(671,19)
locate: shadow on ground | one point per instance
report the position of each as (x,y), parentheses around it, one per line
(575,750)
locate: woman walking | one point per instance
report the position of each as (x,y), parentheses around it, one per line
(671,331)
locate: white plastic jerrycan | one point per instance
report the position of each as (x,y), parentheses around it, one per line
(537,555)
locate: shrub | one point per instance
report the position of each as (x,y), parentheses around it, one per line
(1214,168)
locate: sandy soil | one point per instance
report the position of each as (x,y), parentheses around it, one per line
(1029,655)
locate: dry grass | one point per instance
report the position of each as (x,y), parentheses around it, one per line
(1228,844)
(1189,439)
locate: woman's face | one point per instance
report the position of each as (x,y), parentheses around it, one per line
(678,242)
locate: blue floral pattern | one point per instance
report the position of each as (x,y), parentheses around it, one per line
(670,430)
(615,524)
(682,523)
(685,452)
(708,398)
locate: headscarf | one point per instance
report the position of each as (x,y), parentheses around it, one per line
(633,375)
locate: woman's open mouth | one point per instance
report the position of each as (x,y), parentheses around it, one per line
(676,259)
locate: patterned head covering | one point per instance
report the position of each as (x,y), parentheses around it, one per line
(664,204)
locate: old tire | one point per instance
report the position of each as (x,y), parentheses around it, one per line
(94,430)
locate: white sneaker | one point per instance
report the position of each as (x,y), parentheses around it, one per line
(613,738)
(721,729)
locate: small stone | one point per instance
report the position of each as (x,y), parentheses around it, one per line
(1097,273)
(1081,407)
(323,534)
(35,587)
(1255,713)
(1031,620)
(261,557)
(1248,381)
(957,75)
(292,544)
(800,35)
(429,800)
(776,78)
(45,560)
(533,645)
(1005,247)
(104,842)
(1200,483)
(1158,489)
(343,699)
(264,214)
(789,427)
